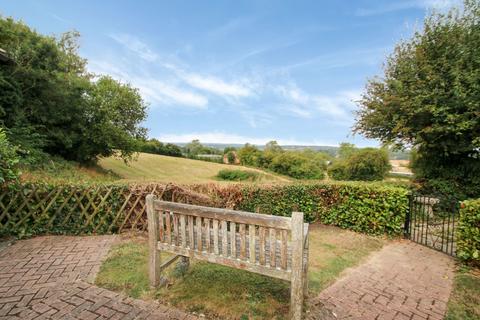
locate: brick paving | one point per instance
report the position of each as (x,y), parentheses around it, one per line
(47,278)
(404,280)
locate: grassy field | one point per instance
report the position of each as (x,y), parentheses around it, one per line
(152,167)
(226,293)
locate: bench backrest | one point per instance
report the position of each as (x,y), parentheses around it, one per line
(252,241)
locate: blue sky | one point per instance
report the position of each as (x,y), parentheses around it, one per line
(238,71)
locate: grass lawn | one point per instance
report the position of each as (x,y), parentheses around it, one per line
(219,291)
(152,167)
(464,303)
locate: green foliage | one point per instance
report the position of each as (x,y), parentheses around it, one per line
(468,232)
(50,103)
(156,147)
(8,160)
(428,98)
(231,157)
(370,208)
(237,175)
(250,155)
(368,164)
(306,164)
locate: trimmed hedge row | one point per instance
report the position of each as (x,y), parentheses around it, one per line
(468,232)
(364,207)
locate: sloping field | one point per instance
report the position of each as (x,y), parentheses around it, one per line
(152,167)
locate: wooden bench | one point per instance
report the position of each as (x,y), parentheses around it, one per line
(269,245)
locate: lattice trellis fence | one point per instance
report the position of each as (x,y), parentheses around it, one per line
(68,209)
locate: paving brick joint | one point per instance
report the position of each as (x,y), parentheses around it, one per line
(403,280)
(49,278)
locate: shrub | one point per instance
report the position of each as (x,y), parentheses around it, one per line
(237,175)
(371,208)
(468,232)
(298,165)
(367,164)
(8,160)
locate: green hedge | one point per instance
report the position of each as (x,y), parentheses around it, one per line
(468,232)
(370,208)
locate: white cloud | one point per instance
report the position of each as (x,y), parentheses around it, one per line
(135,45)
(393,6)
(152,89)
(222,137)
(216,86)
(337,106)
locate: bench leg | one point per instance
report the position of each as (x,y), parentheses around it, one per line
(154,254)
(297,281)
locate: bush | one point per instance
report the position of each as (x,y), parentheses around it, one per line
(8,160)
(298,165)
(371,208)
(237,175)
(367,164)
(468,232)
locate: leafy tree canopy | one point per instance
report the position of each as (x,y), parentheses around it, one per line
(429,98)
(49,101)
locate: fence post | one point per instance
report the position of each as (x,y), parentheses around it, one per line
(297,282)
(154,253)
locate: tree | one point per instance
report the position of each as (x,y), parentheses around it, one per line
(50,103)
(249,155)
(368,164)
(346,150)
(429,99)
(114,114)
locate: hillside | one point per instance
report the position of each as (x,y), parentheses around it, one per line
(152,167)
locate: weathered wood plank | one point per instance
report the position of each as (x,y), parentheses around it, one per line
(207,234)
(233,240)
(261,240)
(273,249)
(284,249)
(198,222)
(168,224)
(251,242)
(243,241)
(161,226)
(227,261)
(216,248)
(175,229)
(191,240)
(224,238)
(183,230)
(154,253)
(225,214)
(296,293)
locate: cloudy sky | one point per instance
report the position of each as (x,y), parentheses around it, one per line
(238,71)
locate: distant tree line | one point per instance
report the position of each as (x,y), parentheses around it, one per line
(300,164)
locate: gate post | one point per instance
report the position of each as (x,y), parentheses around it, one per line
(406,226)
(297,282)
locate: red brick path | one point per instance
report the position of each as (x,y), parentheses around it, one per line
(45,278)
(404,280)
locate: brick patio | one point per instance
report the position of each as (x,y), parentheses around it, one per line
(46,278)
(404,280)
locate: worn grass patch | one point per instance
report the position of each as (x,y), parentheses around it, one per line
(333,250)
(464,300)
(227,293)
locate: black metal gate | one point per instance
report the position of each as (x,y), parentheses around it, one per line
(431,221)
